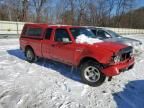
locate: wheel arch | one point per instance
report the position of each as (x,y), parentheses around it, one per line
(85,59)
(28,46)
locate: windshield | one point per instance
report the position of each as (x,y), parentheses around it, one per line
(82,31)
(113,34)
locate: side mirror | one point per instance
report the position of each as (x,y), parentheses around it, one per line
(66,40)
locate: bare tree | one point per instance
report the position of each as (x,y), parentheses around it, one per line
(39,6)
(25,10)
(14,8)
(60,9)
(121,7)
(71,5)
(111,6)
(82,7)
(93,13)
(116,13)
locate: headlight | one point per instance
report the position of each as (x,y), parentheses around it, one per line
(116,59)
(132,54)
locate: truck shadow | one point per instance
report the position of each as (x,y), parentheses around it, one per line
(132,96)
(63,69)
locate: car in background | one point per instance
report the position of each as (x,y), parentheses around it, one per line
(110,36)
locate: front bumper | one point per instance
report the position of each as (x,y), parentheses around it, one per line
(118,68)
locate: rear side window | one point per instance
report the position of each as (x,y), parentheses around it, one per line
(48,33)
(61,35)
(24,30)
(34,32)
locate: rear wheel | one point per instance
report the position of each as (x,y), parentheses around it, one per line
(91,74)
(30,56)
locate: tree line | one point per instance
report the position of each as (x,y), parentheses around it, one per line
(73,12)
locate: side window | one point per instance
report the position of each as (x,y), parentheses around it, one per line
(24,30)
(48,33)
(61,35)
(94,31)
(34,32)
(103,34)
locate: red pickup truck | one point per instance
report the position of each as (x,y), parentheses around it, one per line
(58,42)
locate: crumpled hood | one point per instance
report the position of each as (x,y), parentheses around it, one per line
(111,46)
(124,40)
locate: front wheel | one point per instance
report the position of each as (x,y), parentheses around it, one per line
(91,74)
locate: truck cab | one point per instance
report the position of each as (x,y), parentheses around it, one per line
(96,61)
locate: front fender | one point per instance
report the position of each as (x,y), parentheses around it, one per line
(99,57)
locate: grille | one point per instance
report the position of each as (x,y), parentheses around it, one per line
(126,53)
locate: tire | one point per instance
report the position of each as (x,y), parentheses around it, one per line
(91,74)
(30,55)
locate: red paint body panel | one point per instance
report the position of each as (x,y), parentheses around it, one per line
(72,53)
(35,44)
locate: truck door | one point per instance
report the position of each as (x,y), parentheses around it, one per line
(47,43)
(62,48)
